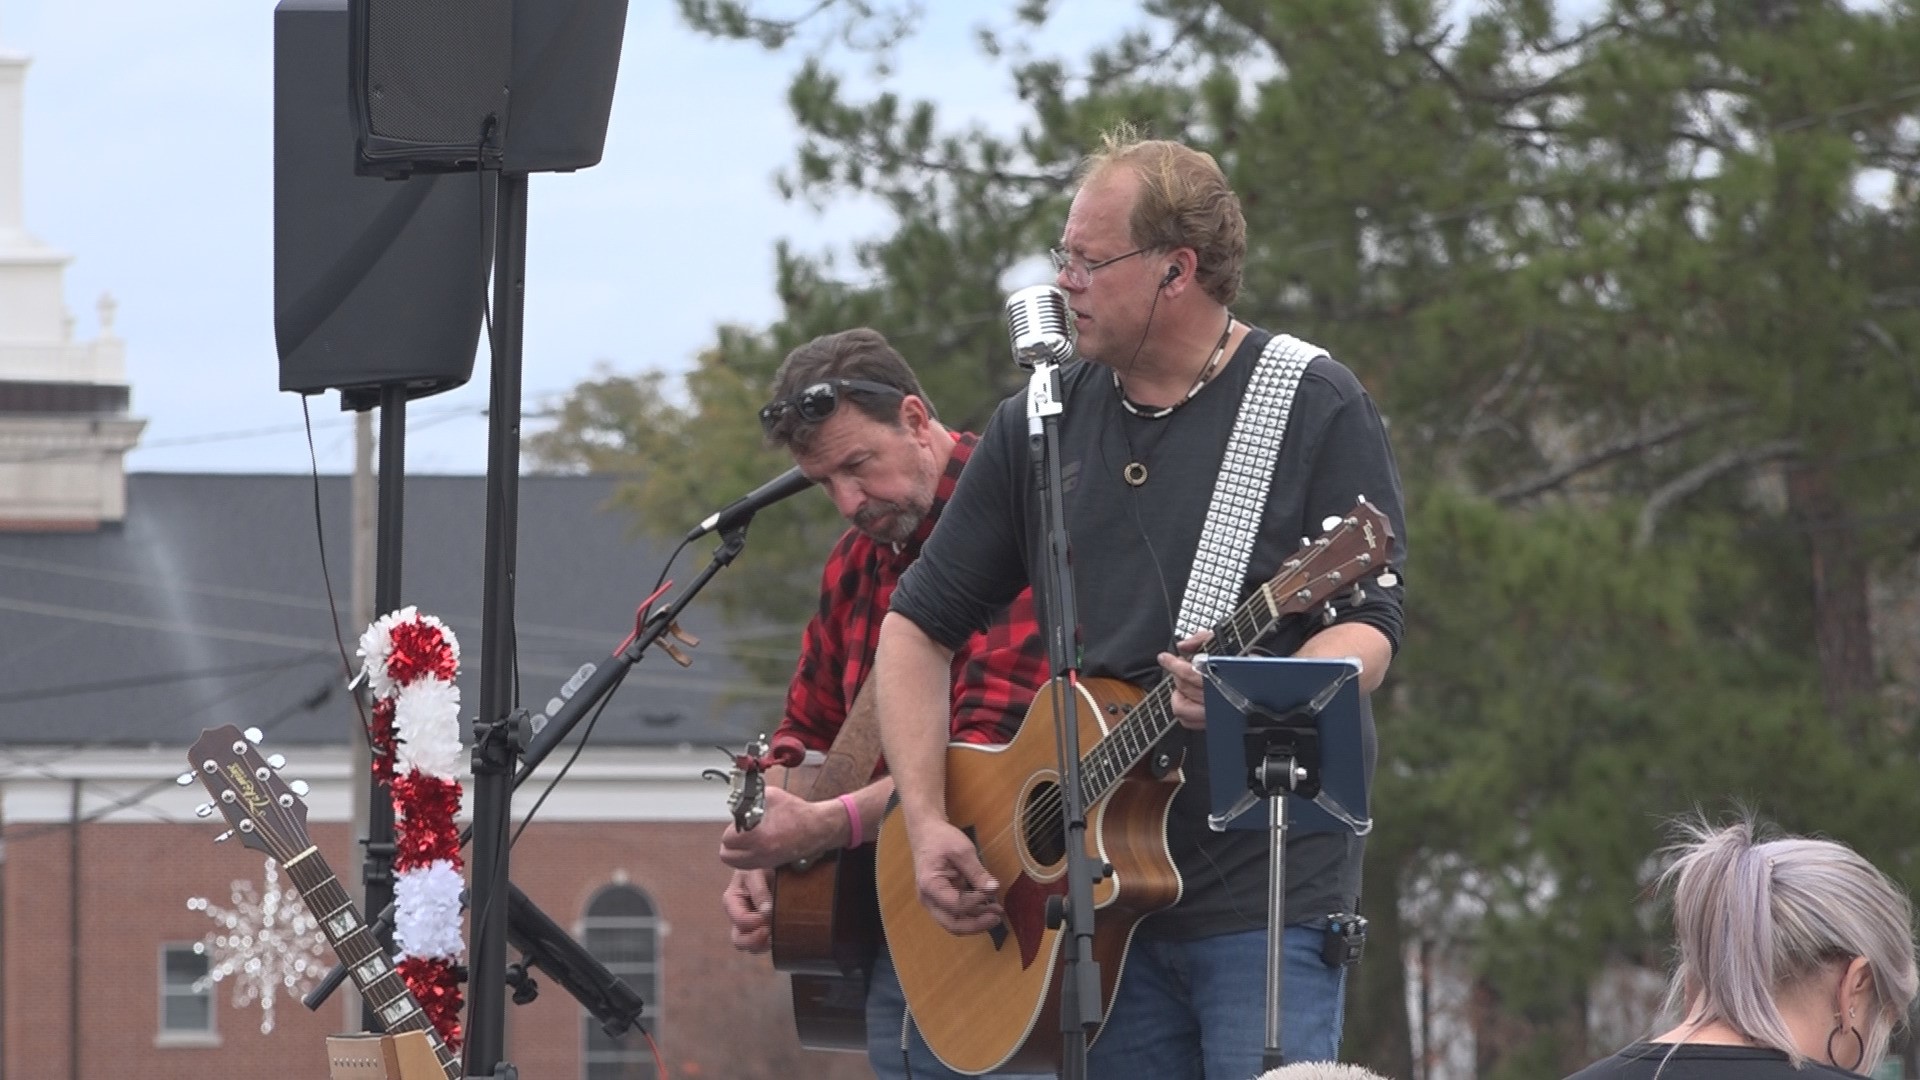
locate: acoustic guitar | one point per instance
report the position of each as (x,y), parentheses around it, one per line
(268,816)
(826,920)
(986,1001)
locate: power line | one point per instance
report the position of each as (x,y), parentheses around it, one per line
(310,703)
(140,682)
(169,626)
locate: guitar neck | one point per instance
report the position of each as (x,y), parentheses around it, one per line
(1150,720)
(372,972)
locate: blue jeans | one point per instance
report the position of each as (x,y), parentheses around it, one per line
(1196,1010)
(886,1016)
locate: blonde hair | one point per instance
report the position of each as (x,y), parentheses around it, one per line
(1755,918)
(1184,201)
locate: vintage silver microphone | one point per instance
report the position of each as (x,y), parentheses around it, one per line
(1040,325)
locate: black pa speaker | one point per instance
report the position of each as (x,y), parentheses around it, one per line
(522,86)
(375,282)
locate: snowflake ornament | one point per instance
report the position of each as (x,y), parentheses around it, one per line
(267,942)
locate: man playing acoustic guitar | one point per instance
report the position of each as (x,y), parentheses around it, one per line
(855,419)
(1150,260)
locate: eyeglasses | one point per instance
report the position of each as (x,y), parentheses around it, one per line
(815,403)
(1078,272)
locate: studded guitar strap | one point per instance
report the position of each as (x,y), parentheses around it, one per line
(1240,492)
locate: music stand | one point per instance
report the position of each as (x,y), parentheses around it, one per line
(1286,731)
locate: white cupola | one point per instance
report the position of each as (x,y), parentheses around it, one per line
(64,425)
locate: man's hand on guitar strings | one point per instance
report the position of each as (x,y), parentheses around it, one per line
(1189,696)
(749,903)
(956,888)
(793,828)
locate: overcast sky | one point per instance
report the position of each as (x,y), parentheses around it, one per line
(148,159)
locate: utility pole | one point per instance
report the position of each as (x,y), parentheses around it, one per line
(363,494)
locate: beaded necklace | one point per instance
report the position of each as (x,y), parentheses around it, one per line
(1135,472)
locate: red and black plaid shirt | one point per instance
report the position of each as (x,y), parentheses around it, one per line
(995,674)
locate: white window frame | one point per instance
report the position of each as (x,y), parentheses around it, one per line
(197,1037)
(649,990)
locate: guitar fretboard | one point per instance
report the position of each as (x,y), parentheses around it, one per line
(1296,588)
(366,963)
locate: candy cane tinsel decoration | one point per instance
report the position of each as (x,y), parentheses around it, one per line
(410,663)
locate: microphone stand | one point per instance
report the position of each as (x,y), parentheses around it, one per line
(1080,1005)
(527,928)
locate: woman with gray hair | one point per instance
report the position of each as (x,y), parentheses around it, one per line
(1796,959)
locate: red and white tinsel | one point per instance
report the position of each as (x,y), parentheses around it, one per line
(410,663)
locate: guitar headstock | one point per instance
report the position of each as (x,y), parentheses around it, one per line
(264,810)
(1350,548)
(746,783)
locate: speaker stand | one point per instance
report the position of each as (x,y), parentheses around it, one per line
(498,738)
(377,869)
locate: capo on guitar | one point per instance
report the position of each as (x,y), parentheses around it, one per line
(759,757)
(746,796)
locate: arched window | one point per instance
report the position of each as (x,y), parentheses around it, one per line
(622,931)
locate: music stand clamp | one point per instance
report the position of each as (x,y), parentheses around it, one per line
(1273,723)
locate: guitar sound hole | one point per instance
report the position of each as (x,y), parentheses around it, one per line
(1042,822)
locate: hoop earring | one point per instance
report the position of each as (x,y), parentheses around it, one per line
(1859,1044)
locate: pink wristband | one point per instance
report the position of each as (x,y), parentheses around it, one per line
(853,821)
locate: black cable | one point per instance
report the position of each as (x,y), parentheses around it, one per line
(308,704)
(1133,493)
(333,607)
(578,746)
(581,744)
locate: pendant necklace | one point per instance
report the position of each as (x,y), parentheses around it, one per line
(1135,472)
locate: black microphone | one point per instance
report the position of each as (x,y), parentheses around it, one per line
(1040,326)
(741,510)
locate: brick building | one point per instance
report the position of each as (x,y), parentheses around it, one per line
(205,605)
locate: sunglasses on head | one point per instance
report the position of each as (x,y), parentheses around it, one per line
(816,402)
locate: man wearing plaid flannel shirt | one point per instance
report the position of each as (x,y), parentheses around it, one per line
(855,419)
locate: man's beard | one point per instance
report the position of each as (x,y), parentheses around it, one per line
(902,520)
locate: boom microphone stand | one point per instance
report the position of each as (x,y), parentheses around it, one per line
(528,929)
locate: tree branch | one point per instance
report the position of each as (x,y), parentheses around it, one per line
(1255,17)
(882,158)
(1703,474)
(1608,452)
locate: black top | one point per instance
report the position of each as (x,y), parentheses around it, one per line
(1699,1061)
(1132,549)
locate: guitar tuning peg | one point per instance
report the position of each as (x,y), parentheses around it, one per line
(205,809)
(1388,580)
(1306,541)
(300,787)
(278,761)
(254,735)
(1328,614)
(1330,522)
(185,779)
(223,837)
